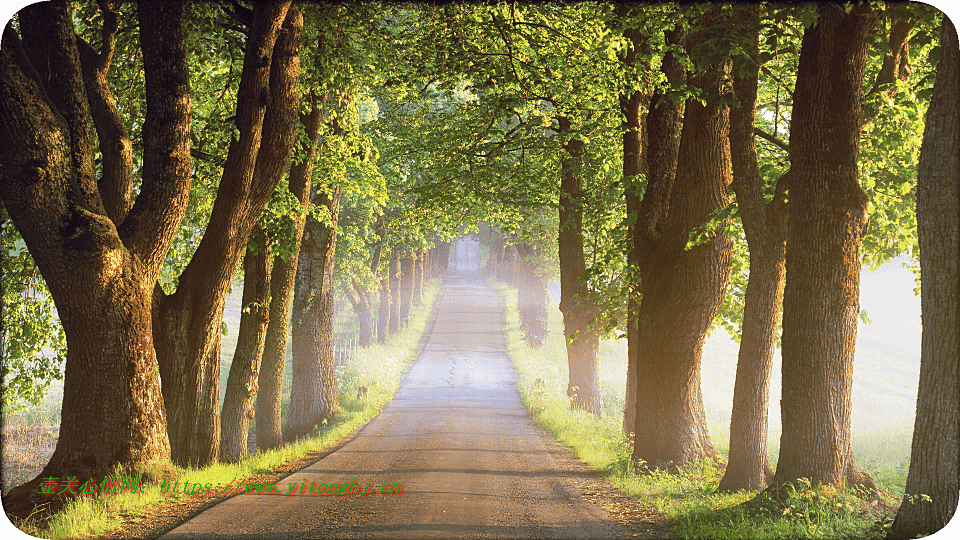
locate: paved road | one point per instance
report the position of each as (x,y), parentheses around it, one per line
(456,436)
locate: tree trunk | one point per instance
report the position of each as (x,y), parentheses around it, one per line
(383,315)
(748,466)
(630,106)
(417,297)
(828,217)
(188,330)
(577,303)
(934,460)
(683,288)
(242,381)
(394,272)
(314,394)
(663,135)
(282,279)
(361,306)
(531,296)
(407,265)
(100,273)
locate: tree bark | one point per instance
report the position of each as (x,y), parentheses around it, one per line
(99,272)
(577,303)
(383,314)
(827,221)
(765,226)
(630,106)
(394,276)
(935,457)
(407,265)
(417,297)
(188,331)
(314,394)
(238,409)
(282,279)
(682,288)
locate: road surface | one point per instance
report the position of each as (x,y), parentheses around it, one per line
(458,439)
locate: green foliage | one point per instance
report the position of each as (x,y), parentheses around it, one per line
(33,347)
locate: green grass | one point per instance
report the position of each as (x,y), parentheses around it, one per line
(689,498)
(378,367)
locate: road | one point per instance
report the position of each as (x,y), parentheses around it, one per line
(458,439)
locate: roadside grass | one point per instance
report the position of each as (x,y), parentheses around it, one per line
(378,367)
(689,499)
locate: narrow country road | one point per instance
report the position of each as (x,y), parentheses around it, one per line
(456,436)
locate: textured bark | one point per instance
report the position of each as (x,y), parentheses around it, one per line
(270,378)
(577,303)
(682,289)
(935,457)
(189,331)
(100,272)
(828,217)
(630,106)
(765,225)
(238,409)
(394,275)
(314,394)
(407,265)
(116,179)
(660,158)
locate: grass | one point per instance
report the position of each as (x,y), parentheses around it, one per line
(378,367)
(689,499)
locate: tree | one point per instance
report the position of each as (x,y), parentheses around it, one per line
(237,411)
(765,226)
(187,337)
(683,277)
(262,340)
(577,303)
(313,392)
(826,224)
(100,260)
(934,477)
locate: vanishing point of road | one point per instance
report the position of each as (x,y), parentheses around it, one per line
(472,463)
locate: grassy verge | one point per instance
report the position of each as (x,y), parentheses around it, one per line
(689,499)
(378,367)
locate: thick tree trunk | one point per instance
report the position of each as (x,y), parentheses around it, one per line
(828,217)
(935,458)
(683,288)
(188,330)
(282,279)
(100,272)
(663,135)
(242,381)
(407,265)
(577,303)
(765,226)
(314,394)
(394,275)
